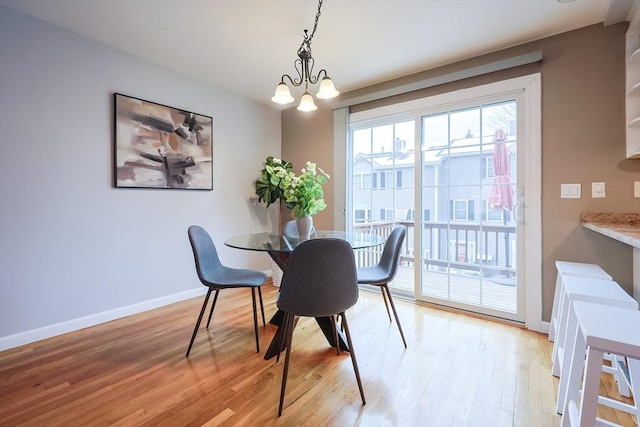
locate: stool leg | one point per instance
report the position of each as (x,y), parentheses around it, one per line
(570,345)
(572,372)
(634,379)
(554,310)
(591,387)
(559,343)
(617,373)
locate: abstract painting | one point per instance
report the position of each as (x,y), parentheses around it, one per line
(157,146)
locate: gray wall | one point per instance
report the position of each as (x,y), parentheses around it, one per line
(73,250)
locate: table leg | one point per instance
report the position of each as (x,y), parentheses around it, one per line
(325,326)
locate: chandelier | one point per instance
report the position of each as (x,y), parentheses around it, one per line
(304,67)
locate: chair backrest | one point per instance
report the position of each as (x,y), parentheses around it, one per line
(208,263)
(291,229)
(391,253)
(320,279)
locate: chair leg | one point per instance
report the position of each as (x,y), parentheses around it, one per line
(395,313)
(255,319)
(334,328)
(282,330)
(215,299)
(264,323)
(353,356)
(386,304)
(289,339)
(195,330)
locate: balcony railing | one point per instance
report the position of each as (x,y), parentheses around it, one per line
(486,249)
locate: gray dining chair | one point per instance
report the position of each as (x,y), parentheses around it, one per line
(320,281)
(216,277)
(384,272)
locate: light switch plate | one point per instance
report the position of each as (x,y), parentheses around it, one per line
(636,189)
(598,190)
(570,191)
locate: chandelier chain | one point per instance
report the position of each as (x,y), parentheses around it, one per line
(315,25)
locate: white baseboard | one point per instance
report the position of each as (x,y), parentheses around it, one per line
(49,331)
(545,327)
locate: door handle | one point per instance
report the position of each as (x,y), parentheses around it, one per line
(518,212)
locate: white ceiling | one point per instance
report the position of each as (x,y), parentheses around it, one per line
(245,46)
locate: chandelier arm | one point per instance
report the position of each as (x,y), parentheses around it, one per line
(290,80)
(298,64)
(316,79)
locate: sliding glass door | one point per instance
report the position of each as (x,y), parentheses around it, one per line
(383,185)
(469,235)
(457,171)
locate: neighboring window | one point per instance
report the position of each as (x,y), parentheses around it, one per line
(461,210)
(362,215)
(361,181)
(388,179)
(386,214)
(494,215)
(487,168)
(366,181)
(399,179)
(357,182)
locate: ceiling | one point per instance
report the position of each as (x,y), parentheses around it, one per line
(245,46)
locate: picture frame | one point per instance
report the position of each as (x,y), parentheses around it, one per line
(161,147)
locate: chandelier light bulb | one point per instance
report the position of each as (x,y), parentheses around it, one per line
(306,103)
(327,90)
(282,95)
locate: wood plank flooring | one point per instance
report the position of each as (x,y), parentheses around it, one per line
(457,371)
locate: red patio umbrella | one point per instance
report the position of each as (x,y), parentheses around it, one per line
(501,196)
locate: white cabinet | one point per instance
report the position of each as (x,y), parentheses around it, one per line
(632,106)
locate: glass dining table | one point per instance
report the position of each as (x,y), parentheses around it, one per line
(279,248)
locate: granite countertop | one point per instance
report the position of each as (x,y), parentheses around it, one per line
(624,227)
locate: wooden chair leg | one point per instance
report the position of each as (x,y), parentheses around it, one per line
(353,356)
(386,304)
(215,299)
(334,328)
(282,330)
(264,323)
(289,339)
(255,319)
(395,314)
(195,330)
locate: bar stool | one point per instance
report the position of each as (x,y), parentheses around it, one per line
(567,268)
(599,291)
(598,329)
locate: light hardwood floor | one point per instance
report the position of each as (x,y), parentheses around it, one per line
(457,371)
